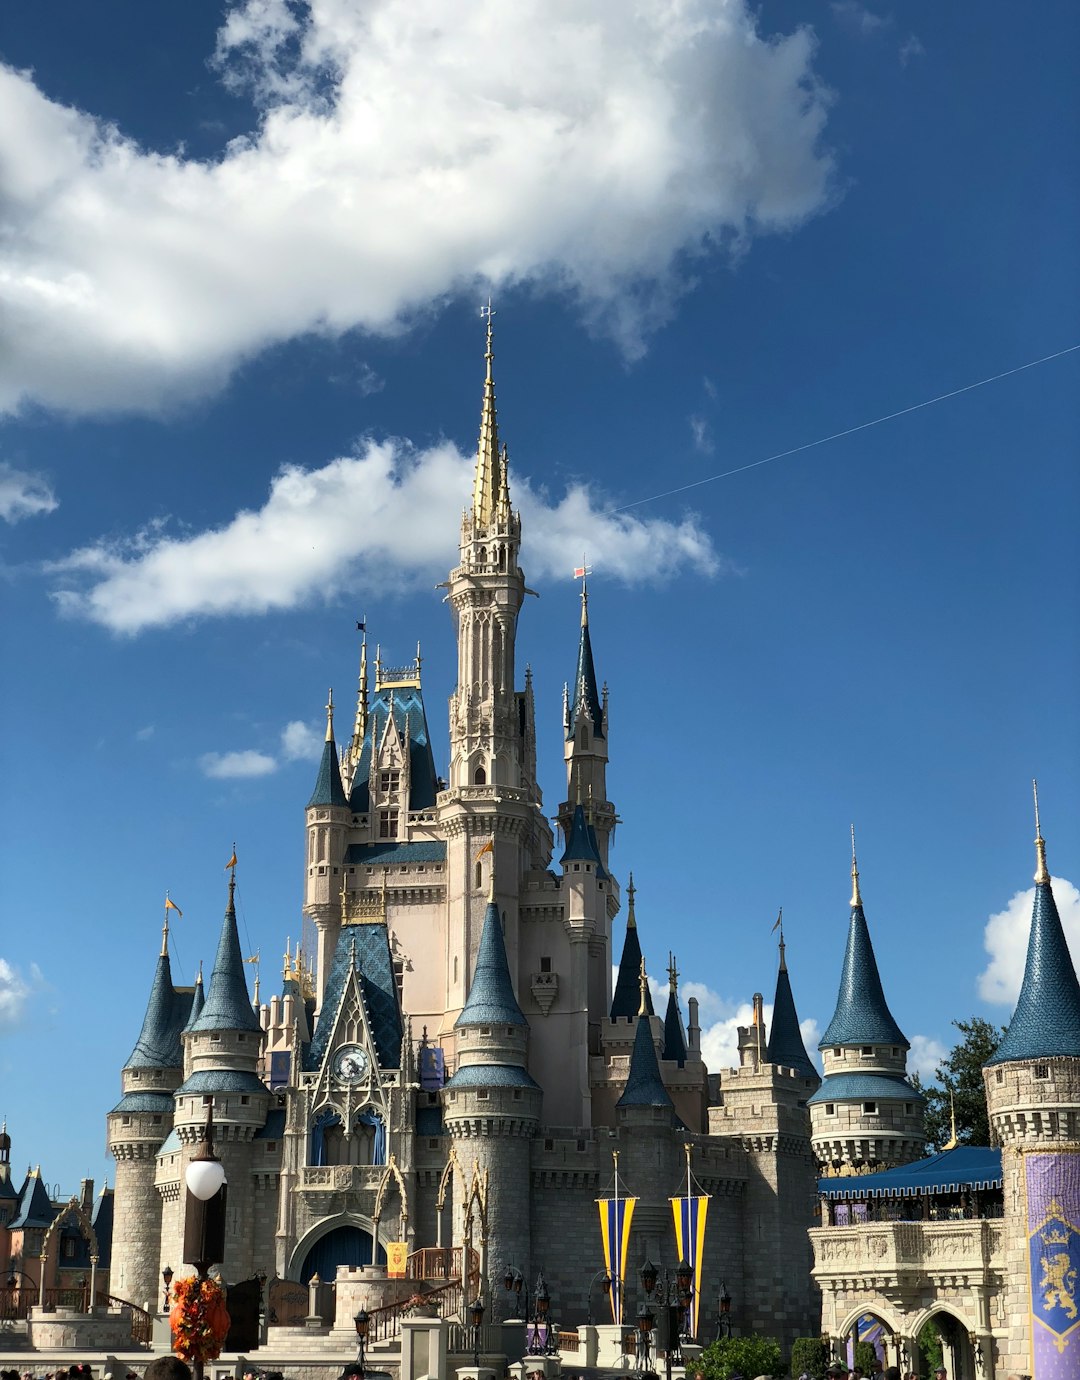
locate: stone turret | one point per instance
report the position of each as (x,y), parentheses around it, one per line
(223,1049)
(865,1113)
(491,1105)
(1033,1096)
(137,1126)
(327,818)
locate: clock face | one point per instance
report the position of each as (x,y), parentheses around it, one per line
(351,1063)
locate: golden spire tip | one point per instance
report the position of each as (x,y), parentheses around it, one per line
(643,1010)
(856,898)
(330,716)
(1041,873)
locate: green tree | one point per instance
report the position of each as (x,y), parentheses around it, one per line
(745,1356)
(809,1355)
(960,1074)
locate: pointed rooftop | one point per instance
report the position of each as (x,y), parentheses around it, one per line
(491,999)
(328,788)
(581,845)
(644,1086)
(1046,1022)
(786,1046)
(586,694)
(198,1000)
(228,1005)
(624,1003)
(158,1045)
(489,479)
(862,1015)
(674,1034)
(35,1207)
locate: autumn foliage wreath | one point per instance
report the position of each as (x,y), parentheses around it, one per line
(199,1318)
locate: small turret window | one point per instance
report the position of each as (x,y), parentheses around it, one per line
(869,1108)
(837,1052)
(479,876)
(866,1051)
(479,777)
(830,1108)
(1042,1070)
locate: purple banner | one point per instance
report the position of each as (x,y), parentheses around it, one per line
(1053,1205)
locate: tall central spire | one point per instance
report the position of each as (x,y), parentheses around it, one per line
(488,481)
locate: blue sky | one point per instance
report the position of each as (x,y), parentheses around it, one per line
(240,371)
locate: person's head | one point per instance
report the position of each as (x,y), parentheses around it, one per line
(891,1373)
(167,1368)
(941,1373)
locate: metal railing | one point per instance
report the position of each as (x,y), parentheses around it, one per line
(444,1262)
(384,1324)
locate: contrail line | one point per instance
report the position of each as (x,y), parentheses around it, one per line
(848,431)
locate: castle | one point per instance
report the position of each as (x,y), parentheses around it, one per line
(450,1068)
(449,1063)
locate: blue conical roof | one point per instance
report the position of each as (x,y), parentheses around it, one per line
(158,1045)
(35,1207)
(674,1035)
(581,845)
(644,1086)
(491,999)
(785,1045)
(862,1015)
(198,1000)
(627,998)
(328,788)
(586,696)
(1046,1022)
(228,1004)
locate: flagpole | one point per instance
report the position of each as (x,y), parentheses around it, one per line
(617,1294)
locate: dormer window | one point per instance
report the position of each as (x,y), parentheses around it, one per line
(388,824)
(389,782)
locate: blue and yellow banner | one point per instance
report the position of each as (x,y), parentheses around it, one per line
(690,1213)
(616,1215)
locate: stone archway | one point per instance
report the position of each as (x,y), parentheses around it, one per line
(357,1244)
(956,1329)
(72,1210)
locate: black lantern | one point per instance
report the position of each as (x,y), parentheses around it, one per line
(684,1277)
(361,1320)
(513,1282)
(604,1280)
(543,1300)
(723,1312)
(646,1320)
(649,1275)
(476,1317)
(167,1279)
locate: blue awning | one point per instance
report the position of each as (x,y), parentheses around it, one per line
(950,1171)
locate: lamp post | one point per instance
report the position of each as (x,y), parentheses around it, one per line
(166,1279)
(723,1312)
(513,1282)
(542,1318)
(476,1317)
(684,1283)
(604,1280)
(645,1320)
(204,1214)
(362,1322)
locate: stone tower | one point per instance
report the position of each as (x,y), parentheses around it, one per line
(137,1125)
(222,1048)
(1033,1096)
(865,1113)
(491,1105)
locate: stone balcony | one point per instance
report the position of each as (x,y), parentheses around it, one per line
(902,1254)
(341,1178)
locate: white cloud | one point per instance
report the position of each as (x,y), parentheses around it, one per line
(231,766)
(911,48)
(143,735)
(404,152)
(383,511)
(1006,938)
(301,741)
(701,433)
(855,16)
(24,495)
(924,1056)
(15,990)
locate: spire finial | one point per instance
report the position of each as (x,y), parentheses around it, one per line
(856,898)
(360,724)
(780,926)
(631,892)
(582,573)
(487,483)
(953,1140)
(1041,873)
(672,973)
(491,870)
(643,1009)
(330,716)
